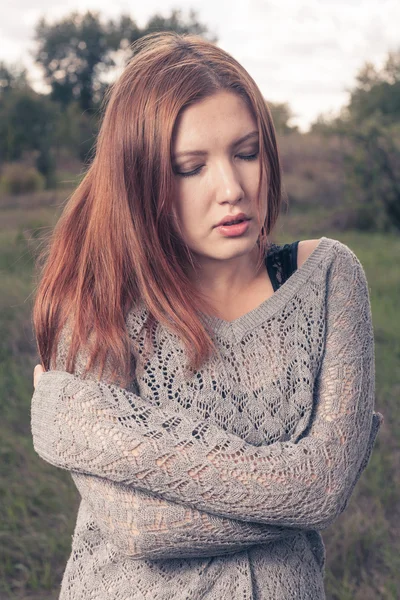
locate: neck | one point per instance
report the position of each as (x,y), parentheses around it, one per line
(225,279)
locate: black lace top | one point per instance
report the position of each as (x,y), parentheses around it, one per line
(281,262)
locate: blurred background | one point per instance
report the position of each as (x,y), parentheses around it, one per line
(330,73)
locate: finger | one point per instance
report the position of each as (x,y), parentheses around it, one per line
(37,372)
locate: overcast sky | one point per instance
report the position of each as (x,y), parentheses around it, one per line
(304,52)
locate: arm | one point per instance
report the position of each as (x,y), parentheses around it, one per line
(100,429)
(141,525)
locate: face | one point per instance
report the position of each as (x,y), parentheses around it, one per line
(216,172)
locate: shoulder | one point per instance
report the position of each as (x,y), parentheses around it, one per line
(338,252)
(304,249)
(344,267)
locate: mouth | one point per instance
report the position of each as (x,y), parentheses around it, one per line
(233,229)
(235,221)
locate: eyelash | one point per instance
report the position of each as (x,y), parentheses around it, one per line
(196,171)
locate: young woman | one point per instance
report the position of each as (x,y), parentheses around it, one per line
(211,393)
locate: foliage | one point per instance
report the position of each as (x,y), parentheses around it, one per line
(77,131)
(313,171)
(79,50)
(282,115)
(12,77)
(373,173)
(176,22)
(370,123)
(377,92)
(38,505)
(17,179)
(72,52)
(28,123)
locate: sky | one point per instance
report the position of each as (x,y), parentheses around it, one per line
(303,52)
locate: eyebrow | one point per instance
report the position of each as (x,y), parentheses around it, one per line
(203,152)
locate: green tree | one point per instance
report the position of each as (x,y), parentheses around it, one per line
(76,132)
(28,124)
(12,77)
(77,51)
(73,52)
(377,92)
(176,22)
(370,125)
(282,115)
(373,173)
(371,122)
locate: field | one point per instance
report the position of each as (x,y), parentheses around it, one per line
(39,502)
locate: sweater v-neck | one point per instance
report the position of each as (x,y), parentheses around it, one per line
(234,330)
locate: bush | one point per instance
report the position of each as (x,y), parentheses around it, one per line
(313,170)
(18,179)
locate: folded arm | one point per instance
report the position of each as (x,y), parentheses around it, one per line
(142,525)
(101,429)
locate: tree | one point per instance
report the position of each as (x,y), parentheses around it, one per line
(282,115)
(373,173)
(371,122)
(175,22)
(28,123)
(76,132)
(12,77)
(70,53)
(377,91)
(77,51)
(370,125)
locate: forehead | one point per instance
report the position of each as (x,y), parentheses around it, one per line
(223,116)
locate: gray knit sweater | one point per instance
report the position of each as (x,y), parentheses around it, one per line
(216,487)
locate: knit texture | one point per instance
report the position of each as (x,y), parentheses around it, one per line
(216,486)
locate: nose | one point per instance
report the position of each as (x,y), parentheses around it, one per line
(227,183)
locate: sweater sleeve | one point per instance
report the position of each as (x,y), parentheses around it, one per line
(141,525)
(103,430)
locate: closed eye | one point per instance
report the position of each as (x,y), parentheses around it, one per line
(248,156)
(189,173)
(198,169)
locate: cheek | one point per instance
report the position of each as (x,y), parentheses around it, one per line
(250,174)
(190,200)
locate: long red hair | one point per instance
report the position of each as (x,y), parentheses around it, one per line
(116,240)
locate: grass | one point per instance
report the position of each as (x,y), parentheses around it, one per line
(40,502)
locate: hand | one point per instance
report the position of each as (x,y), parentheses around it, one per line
(37,371)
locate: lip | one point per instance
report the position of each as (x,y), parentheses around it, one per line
(233,231)
(228,218)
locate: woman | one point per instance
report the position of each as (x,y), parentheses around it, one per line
(212,398)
